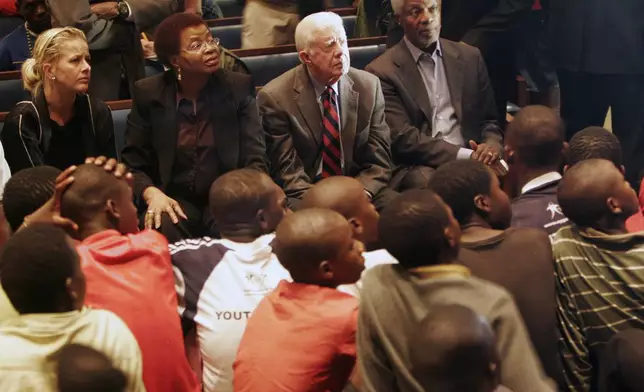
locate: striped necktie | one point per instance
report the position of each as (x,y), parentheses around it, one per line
(332,151)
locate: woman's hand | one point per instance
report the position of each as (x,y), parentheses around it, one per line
(159,203)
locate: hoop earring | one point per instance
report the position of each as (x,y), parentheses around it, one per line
(178,71)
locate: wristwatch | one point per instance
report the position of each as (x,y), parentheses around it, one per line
(123,9)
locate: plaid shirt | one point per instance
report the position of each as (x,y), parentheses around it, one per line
(600,291)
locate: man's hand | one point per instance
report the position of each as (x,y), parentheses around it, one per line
(108,10)
(50,211)
(486,153)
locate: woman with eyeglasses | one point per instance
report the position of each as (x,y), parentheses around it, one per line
(187,127)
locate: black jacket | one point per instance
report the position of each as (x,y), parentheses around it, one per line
(27,134)
(598,36)
(152,127)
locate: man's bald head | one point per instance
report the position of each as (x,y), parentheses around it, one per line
(536,138)
(594,189)
(307,238)
(346,196)
(237,197)
(338,193)
(90,195)
(454,349)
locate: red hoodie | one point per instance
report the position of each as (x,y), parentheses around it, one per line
(636,222)
(131,275)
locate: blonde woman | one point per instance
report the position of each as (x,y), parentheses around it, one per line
(61,125)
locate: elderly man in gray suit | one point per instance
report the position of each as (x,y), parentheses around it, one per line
(324,118)
(439,101)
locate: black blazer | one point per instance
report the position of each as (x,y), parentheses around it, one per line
(598,36)
(152,128)
(26,134)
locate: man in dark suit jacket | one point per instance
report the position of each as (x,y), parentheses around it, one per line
(599,51)
(324,118)
(438,98)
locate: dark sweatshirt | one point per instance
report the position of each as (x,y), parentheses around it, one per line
(392,304)
(521,261)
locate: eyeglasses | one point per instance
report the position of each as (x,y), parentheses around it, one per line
(200,46)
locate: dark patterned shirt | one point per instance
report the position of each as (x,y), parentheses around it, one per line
(600,291)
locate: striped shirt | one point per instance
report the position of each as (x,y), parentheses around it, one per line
(600,291)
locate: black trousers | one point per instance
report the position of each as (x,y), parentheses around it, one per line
(110,65)
(411,177)
(199,223)
(585,99)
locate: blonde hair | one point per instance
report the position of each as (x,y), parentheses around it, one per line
(46,50)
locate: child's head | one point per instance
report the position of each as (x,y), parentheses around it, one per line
(246,201)
(82,369)
(99,200)
(317,246)
(454,350)
(593,193)
(40,271)
(471,189)
(27,191)
(346,196)
(594,143)
(418,229)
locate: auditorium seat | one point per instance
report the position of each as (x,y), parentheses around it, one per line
(265,68)
(350,25)
(229,36)
(361,56)
(11,92)
(119,117)
(231,7)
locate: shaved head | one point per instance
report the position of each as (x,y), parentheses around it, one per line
(246,198)
(594,189)
(454,349)
(346,196)
(307,238)
(95,193)
(536,137)
(338,193)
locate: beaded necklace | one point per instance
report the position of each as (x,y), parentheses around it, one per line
(29,33)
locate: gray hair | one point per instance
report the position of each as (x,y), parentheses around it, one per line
(309,27)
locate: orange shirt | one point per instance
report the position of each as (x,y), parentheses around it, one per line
(300,338)
(131,275)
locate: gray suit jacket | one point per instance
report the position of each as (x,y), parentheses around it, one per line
(409,111)
(293,123)
(100,35)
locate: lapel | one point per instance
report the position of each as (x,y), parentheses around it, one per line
(224,122)
(411,78)
(454,73)
(163,117)
(307,102)
(348,117)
